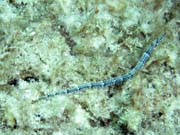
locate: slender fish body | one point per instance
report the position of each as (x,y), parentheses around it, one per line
(112,81)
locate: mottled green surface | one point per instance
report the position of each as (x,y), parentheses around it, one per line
(47,45)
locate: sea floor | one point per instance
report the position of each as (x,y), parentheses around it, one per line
(51,45)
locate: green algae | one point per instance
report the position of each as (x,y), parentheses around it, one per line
(106,38)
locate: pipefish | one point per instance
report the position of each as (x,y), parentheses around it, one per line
(112,81)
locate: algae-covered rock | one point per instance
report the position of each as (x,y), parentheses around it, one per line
(52,45)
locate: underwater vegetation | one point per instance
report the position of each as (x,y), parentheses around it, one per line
(48,47)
